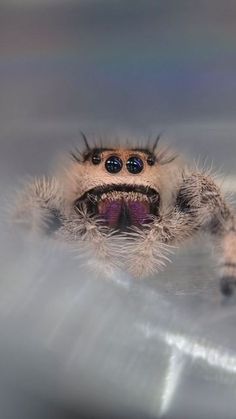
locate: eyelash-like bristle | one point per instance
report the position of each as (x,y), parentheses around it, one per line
(156,142)
(81,156)
(163,156)
(77,155)
(88,148)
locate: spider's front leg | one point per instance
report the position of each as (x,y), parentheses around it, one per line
(42,208)
(199,206)
(38,207)
(203,204)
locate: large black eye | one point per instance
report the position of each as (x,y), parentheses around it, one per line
(113,164)
(96,158)
(134,165)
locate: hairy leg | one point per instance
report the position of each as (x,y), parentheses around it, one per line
(41,208)
(200,206)
(200,197)
(100,245)
(38,207)
(148,250)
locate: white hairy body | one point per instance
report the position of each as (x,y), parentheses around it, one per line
(178,202)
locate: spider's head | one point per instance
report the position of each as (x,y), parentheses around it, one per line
(119,186)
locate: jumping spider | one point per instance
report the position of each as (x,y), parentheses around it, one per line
(128,206)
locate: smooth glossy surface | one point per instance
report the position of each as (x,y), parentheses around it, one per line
(113,164)
(134,165)
(96,159)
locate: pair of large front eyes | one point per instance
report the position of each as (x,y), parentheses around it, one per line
(114,164)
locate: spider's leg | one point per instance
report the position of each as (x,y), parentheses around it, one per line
(41,208)
(38,206)
(94,243)
(200,198)
(148,250)
(200,206)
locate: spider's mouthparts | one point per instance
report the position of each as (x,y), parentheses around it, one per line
(121,206)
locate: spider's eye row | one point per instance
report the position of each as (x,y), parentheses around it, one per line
(113,164)
(96,158)
(134,165)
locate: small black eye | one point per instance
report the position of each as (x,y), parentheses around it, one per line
(134,165)
(96,158)
(113,164)
(151,160)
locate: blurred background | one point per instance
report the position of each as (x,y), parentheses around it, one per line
(166,346)
(113,66)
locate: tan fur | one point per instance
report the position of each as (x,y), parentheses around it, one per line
(34,204)
(158,176)
(190,202)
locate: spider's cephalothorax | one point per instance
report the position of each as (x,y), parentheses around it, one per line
(128,205)
(120,188)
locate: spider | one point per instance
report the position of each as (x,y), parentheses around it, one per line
(128,206)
